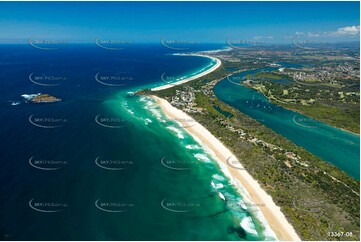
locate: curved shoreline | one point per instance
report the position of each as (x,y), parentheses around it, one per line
(274,217)
(244,182)
(213,68)
(272,213)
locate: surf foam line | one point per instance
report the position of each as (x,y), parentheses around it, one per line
(247,187)
(191,78)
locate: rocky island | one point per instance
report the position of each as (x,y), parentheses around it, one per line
(41,98)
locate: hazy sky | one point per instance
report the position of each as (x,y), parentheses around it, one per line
(196,21)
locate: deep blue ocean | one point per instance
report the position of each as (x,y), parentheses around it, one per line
(103,164)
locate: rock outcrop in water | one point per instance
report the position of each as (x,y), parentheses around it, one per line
(41,98)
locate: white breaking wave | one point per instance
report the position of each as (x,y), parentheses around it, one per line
(153,108)
(226,172)
(193,147)
(126,107)
(202,157)
(30,96)
(209,156)
(221,196)
(217,185)
(142,99)
(15,103)
(147,121)
(156,113)
(242,204)
(218,177)
(247,225)
(129,110)
(267,231)
(177,131)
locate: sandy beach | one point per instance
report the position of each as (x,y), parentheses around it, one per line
(213,68)
(271,212)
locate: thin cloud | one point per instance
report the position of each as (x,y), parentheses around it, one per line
(314,34)
(341,32)
(263,37)
(350,30)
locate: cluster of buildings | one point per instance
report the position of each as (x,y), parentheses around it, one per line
(184,99)
(328,74)
(290,156)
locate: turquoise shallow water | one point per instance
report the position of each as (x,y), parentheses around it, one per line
(184,179)
(113,168)
(338,147)
(116,168)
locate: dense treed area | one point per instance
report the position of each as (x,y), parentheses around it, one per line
(318,200)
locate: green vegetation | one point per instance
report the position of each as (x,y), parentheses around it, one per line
(346,116)
(316,197)
(338,107)
(268,76)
